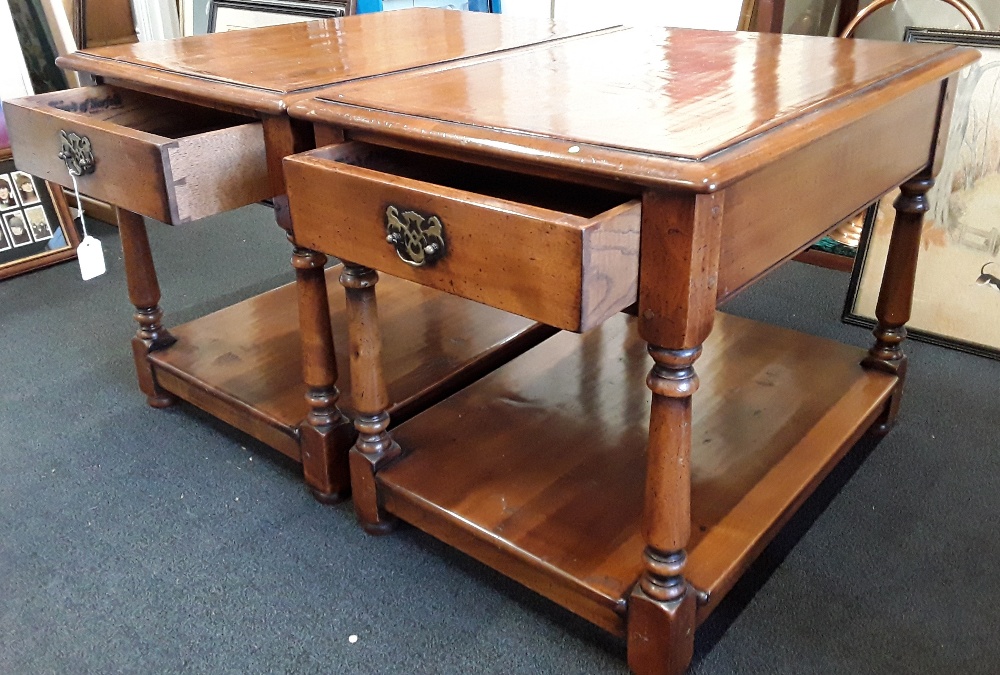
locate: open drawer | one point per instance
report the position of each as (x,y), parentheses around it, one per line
(560,253)
(164,159)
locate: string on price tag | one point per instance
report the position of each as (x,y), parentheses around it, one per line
(90,253)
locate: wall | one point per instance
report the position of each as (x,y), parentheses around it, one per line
(200,16)
(712,14)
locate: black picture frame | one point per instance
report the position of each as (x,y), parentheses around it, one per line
(307,9)
(987,242)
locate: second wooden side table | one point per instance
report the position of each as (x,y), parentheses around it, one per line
(183,129)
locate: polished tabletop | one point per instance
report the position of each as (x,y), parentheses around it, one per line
(683,95)
(276,61)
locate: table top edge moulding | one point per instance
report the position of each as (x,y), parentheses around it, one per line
(232,67)
(763,121)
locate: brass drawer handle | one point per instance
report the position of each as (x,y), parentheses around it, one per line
(77,152)
(418,239)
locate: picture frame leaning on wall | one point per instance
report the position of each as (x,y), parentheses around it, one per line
(956,300)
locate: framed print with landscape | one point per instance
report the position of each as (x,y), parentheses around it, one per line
(956,300)
(227,15)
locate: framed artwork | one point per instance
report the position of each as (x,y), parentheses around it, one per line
(227,15)
(38,46)
(813,17)
(956,299)
(15,80)
(36,229)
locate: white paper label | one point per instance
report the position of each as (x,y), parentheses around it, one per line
(90,253)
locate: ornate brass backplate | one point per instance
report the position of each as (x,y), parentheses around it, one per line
(418,239)
(77,152)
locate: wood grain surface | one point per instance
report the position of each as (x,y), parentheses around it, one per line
(259,68)
(248,355)
(783,208)
(538,469)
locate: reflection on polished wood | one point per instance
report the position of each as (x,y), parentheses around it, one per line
(260,68)
(538,469)
(660,89)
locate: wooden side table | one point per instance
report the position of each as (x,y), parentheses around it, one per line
(665,167)
(182,129)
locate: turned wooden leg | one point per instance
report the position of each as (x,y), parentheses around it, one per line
(895,298)
(326,435)
(661,621)
(374,447)
(144,292)
(676,313)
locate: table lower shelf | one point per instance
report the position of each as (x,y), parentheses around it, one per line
(537,469)
(243,363)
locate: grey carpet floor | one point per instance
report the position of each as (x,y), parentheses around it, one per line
(136,540)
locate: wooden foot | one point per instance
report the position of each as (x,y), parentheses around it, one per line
(326,435)
(374,448)
(325,468)
(156,397)
(660,633)
(895,298)
(331,499)
(144,292)
(887,420)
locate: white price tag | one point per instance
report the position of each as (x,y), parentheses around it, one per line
(90,253)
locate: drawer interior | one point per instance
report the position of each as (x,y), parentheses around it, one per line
(151,114)
(172,161)
(544,193)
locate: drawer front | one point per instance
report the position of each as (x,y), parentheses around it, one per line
(569,270)
(164,159)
